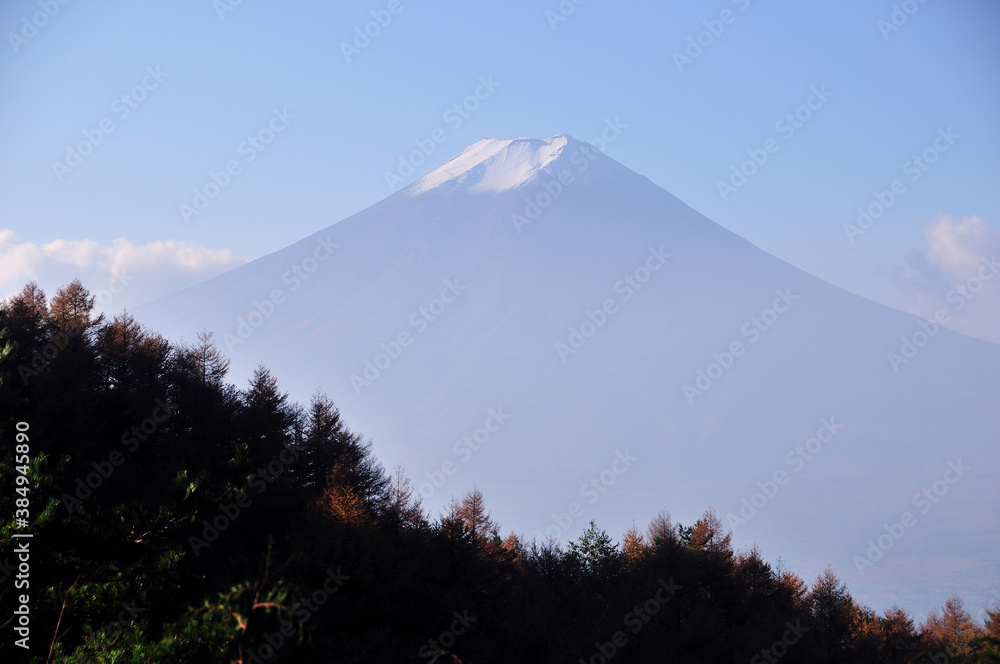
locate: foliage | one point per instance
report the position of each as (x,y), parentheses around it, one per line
(179,518)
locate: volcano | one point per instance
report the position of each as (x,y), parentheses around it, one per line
(535,319)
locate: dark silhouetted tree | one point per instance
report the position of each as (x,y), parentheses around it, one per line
(834,614)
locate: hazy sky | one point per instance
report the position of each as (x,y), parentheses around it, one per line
(200,78)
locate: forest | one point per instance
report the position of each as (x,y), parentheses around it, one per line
(176,517)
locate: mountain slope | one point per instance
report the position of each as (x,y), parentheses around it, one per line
(543,284)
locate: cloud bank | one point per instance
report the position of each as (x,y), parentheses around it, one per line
(958,273)
(121,274)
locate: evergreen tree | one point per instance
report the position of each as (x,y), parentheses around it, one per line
(185,520)
(595,553)
(834,614)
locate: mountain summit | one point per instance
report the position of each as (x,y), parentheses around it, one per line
(494,165)
(537,320)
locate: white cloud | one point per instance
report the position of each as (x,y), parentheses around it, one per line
(957,247)
(121,274)
(957,257)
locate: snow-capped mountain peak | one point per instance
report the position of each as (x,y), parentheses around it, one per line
(608,317)
(496,165)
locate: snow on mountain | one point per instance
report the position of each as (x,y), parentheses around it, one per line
(536,319)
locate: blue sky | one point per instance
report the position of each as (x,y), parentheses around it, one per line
(226,72)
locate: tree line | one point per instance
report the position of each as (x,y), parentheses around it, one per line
(179,518)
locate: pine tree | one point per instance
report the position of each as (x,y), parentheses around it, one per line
(900,641)
(266,418)
(324,437)
(834,614)
(595,553)
(28,316)
(756,575)
(132,359)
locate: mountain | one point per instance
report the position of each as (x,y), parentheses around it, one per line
(536,319)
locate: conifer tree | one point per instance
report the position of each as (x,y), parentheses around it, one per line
(633,547)
(402,506)
(834,613)
(595,553)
